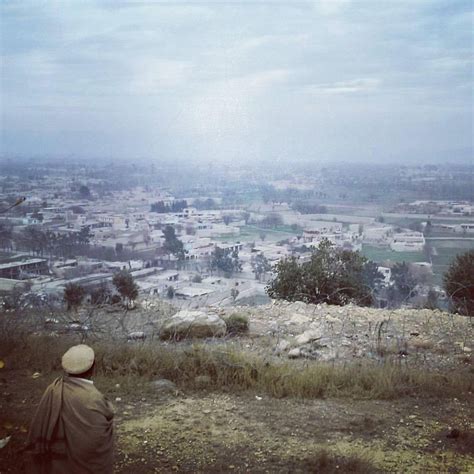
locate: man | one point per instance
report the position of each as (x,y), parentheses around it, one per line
(72,431)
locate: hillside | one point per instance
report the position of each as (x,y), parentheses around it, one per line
(307,389)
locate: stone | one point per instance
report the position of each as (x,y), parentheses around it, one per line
(294,353)
(308,336)
(282,346)
(193,324)
(164,386)
(298,306)
(299,319)
(466,349)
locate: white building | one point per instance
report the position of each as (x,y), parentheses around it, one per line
(408,242)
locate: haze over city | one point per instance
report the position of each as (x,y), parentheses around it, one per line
(236,236)
(219,81)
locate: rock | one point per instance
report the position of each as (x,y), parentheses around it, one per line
(282,346)
(299,319)
(466,349)
(193,324)
(298,306)
(308,336)
(164,385)
(294,353)
(136,336)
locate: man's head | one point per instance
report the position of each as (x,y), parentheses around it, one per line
(78,361)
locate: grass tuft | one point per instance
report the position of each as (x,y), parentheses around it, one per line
(237,324)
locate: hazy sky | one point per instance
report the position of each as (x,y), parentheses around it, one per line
(242,80)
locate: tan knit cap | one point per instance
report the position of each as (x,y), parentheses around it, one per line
(78,359)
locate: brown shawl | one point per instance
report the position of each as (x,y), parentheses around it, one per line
(72,430)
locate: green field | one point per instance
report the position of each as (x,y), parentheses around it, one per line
(378,255)
(250,233)
(445,253)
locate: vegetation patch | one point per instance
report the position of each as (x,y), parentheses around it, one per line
(230,370)
(237,324)
(325,462)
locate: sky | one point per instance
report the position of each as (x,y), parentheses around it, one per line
(238,81)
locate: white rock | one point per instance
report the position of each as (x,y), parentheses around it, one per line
(193,324)
(163,385)
(294,353)
(308,336)
(283,345)
(300,319)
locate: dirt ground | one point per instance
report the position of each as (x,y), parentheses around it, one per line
(224,432)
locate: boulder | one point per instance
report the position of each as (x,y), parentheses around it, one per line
(281,347)
(164,386)
(308,336)
(294,353)
(193,324)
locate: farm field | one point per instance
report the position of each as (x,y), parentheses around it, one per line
(445,253)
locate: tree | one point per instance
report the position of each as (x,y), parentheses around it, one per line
(459,283)
(403,281)
(432,299)
(100,294)
(234,292)
(162,208)
(333,276)
(227,219)
(371,276)
(225,261)
(272,220)
(84,192)
(170,292)
(260,265)
(6,235)
(125,285)
(172,244)
(73,295)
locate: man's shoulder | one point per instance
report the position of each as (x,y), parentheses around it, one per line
(89,394)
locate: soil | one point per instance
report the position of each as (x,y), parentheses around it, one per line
(228,432)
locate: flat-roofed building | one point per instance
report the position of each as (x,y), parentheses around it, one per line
(21,269)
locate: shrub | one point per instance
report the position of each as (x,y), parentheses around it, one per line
(333,276)
(126,286)
(73,295)
(459,283)
(237,324)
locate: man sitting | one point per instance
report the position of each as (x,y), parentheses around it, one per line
(72,431)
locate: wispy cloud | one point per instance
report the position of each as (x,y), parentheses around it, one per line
(367,84)
(243,78)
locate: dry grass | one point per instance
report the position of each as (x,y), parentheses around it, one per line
(237,324)
(231,370)
(324,462)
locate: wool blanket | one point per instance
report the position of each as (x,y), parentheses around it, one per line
(72,431)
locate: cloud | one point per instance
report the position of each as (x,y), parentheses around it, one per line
(360,85)
(246,78)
